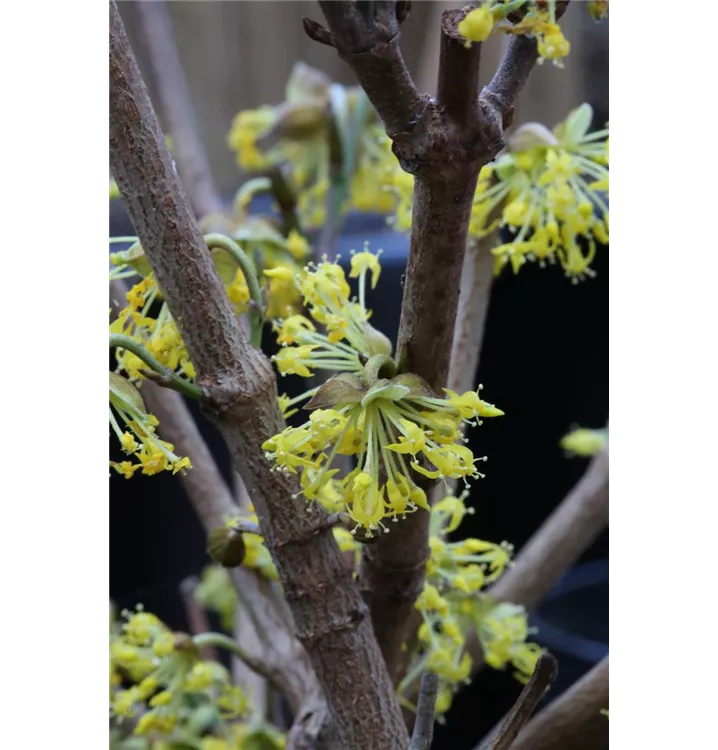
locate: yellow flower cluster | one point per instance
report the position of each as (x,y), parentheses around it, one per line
(395,427)
(452,605)
(297,132)
(550,189)
(165,668)
(169,683)
(139,439)
(159,336)
(539,21)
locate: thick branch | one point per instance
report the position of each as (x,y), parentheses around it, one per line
(458,88)
(176,105)
(574,720)
(392,571)
(329,614)
(426,708)
(556,546)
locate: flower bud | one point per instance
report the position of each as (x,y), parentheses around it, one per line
(226,546)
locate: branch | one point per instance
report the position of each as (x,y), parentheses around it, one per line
(176,105)
(544,674)
(328,612)
(458,88)
(556,546)
(370,45)
(219,640)
(424,726)
(444,145)
(573,721)
(166,377)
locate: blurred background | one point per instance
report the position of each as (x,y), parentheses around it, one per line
(544,360)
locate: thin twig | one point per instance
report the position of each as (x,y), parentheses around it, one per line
(502,93)
(176,105)
(219,640)
(573,721)
(166,377)
(426,708)
(544,674)
(329,615)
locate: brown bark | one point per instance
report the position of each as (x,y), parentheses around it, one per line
(328,611)
(444,144)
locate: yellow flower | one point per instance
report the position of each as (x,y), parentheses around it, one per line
(155,722)
(584,442)
(552,44)
(238,292)
(477,25)
(200,677)
(294,360)
(163,645)
(548,189)
(297,245)
(380,420)
(161,699)
(366,261)
(247,128)
(128,443)
(125,468)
